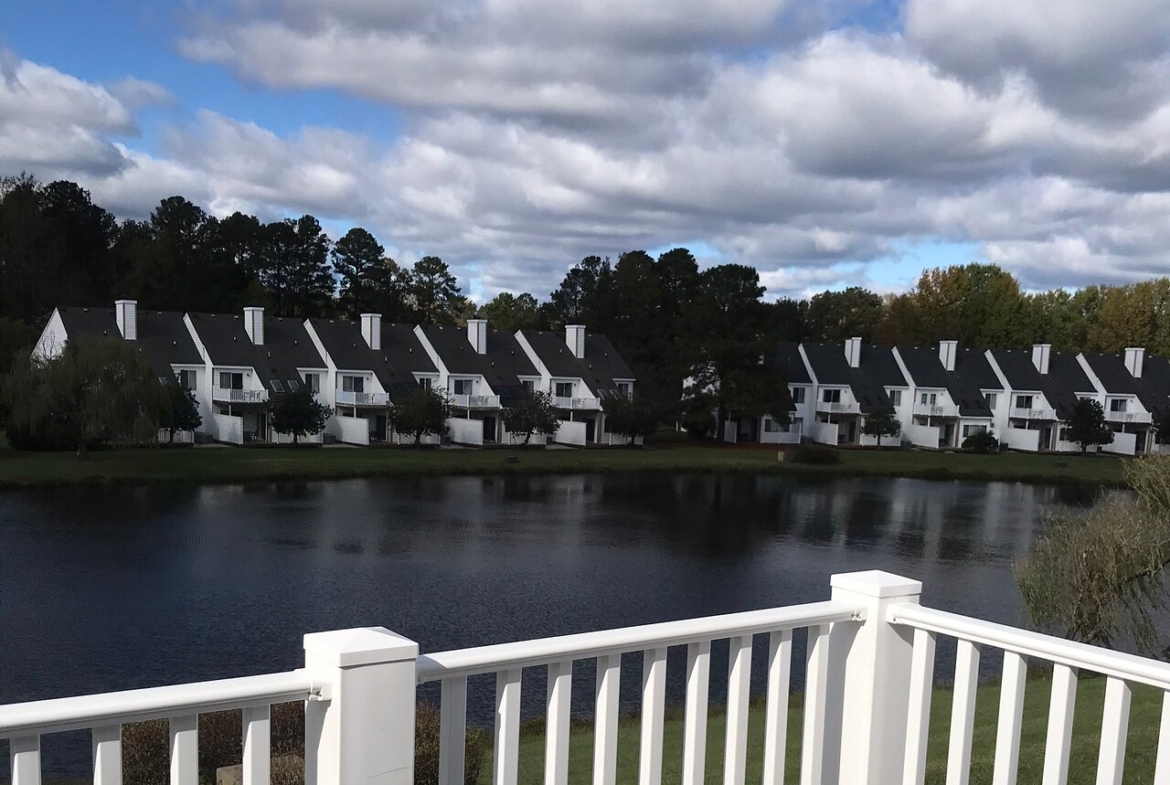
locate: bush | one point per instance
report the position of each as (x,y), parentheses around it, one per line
(146,754)
(814,454)
(47,438)
(981,441)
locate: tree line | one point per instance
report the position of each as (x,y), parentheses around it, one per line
(668,319)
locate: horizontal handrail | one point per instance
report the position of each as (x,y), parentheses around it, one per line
(586,645)
(113,708)
(1129,667)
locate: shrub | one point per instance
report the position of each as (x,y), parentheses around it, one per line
(146,755)
(814,454)
(981,441)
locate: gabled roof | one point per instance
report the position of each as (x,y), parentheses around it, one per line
(162,336)
(971,376)
(1116,379)
(877,370)
(600,366)
(402,354)
(787,358)
(501,366)
(286,346)
(1065,377)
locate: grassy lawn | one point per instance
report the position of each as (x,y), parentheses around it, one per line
(667,454)
(1140,752)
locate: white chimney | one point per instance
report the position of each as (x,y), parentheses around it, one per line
(946,353)
(254,324)
(575,339)
(853,352)
(1040,356)
(1135,358)
(477,334)
(126,314)
(372,330)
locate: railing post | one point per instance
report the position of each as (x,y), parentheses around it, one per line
(361,730)
(871,665)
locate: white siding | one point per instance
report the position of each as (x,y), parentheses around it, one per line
(227,428)
(570,433)
(350,430)
(53,337)
(465,431)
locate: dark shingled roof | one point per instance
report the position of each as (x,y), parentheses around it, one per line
(1151,390)
(877,370)
(402,354)
(286,347)
(162,336)
(971,376)
(502,366)
(1065,377)
(787,358)
(600,366)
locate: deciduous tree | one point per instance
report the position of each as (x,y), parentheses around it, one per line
(881,424)
(180,410)
(511,312)
(298,413)
(533,413)
(423,412)
(1087,426)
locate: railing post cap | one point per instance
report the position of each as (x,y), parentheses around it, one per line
(360,646)
(878,584)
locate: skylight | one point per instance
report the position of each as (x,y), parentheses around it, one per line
(276,385)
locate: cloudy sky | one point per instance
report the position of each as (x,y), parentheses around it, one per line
(828,142)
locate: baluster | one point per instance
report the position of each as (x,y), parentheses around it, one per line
(609,673)
(1162,769)
(185,750)
(1011,717)
(695,725)
(25,758)
(1114,727)
(653,716)
(776,715)
(1060,725)
(739,683)
(556,751)
(816,686)
(257,768)
(918,721)
(963,713)
(107,755)
(452,730)
(507,754)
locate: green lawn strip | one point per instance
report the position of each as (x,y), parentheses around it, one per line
(228,465)
(1141,749)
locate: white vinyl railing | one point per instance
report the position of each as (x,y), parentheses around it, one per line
(351,398)
(933,410)
(239,396)
(1033,414)
(1136,417)
(838,407)
(868,682)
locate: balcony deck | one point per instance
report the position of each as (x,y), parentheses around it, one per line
(225,395)
(349,398)
(838,408)
(867,666)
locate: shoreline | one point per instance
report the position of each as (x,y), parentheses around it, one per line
(205,466)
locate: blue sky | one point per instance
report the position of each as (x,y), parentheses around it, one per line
(827,143)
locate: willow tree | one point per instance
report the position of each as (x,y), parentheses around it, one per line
(97,390)
(1100,576)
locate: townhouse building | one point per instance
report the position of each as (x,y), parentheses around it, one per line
(1132,403)
(850,382)
(952,394)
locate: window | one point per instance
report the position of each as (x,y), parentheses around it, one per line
(831,396)
(231,381)
(426,382)
(797,394)
(928,399)
(989,399)
(355,384)
(529,386)
(1117,405)
(163,380)
(564,390)
(294,385)
(187,380)
(895,397)
(625,388)
(970,429)
(461,386)
(1023,401)
(313,382)
(277,386)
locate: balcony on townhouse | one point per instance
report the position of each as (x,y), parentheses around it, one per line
(1137,418)
(474,401)
(838,407)
(350,398)
(932,410)
(239,396)
(1019,413)
(577,404)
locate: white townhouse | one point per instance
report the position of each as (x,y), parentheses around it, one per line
(951,394)
(1040,387)
(1129,399)
(581,371)
(848,383)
